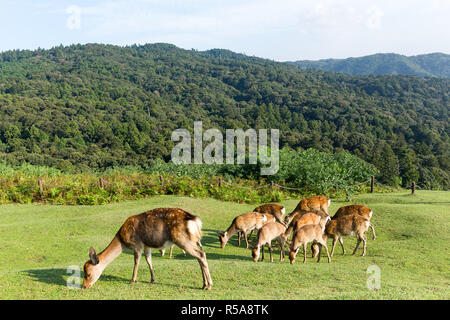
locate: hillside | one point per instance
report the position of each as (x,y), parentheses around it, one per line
(95,106)
(426,65)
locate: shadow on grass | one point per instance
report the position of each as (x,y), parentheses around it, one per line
(50,276)
(59,277)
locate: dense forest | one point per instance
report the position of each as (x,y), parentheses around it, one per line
(424,65)
(92,107)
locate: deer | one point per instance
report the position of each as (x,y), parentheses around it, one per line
(273,211)
(348,225)
(303,219)
(158,228)
(358,209)
(304,235)
(244,223)
(268,232)
(318,203)
(354,209)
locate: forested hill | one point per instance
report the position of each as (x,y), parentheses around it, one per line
(425,65)
(96,106)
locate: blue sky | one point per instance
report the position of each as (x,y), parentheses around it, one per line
(276,29)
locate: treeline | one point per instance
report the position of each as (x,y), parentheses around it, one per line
(90,107)
(301,174)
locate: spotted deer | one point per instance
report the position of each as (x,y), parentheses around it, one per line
(243,223)
(157,228)
(304,235)
(358,209)
(268,232)
(346,226)
(273,211)
(301,219)
(314,203)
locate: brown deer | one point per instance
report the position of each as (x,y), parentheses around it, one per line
(354,209)
(358,209)
(244,223)
(301,219)
(317,203)
(274,209)
(270,210)
(305,234)
(268,232)
(348,225)
(157,228)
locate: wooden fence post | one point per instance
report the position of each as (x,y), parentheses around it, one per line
(220,182)
(162,181)
(41,188)
(372,184)
(413,188)
(102,183)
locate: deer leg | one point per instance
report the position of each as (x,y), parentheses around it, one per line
(341,241)
(319,253)
(148,257)
(239,238)
(333,245)
(364,239)
(246,240)
(324,244)
(201,258)
(262,253)
(170,251)
(137,259)
(314,249)
(373,231)
(304,252)
(282,250)
(269,244)
(357,245)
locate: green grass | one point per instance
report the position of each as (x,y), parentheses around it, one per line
(39,242)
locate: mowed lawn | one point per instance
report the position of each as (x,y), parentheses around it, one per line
(39,242)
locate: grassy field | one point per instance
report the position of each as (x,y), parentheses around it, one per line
(39,242)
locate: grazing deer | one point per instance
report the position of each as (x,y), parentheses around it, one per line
(318,203)
(274,209)
(354,209)
(243,223)
(297,215)
(302,219)
(305,234)
(268,232)
(348,225)
(157,228)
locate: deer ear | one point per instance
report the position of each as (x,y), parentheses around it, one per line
(93,256)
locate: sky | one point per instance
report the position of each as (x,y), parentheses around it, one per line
(282,30)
